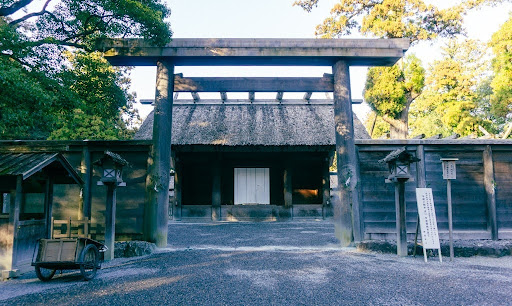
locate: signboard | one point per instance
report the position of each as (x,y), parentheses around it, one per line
(449,172)
(428,222)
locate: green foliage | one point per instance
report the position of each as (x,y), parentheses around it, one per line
(390,91)
(413,19)
(449,103)
(501,98)
(52,84)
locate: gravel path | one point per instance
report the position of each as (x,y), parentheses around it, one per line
(252,264)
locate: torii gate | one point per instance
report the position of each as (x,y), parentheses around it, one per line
(338,53)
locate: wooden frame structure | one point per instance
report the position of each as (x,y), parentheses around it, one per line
(338,53)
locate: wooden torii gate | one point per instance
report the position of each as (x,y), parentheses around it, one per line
(338,53)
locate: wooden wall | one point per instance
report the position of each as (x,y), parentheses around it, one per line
(479,203)
(68,199)
(482,193)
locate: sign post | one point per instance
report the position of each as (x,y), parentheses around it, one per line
(428,222)
(449,173)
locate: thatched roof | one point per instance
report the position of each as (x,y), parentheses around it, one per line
(252,124)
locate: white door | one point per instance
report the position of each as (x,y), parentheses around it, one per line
(252,186)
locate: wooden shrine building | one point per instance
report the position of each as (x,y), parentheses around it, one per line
(340,54)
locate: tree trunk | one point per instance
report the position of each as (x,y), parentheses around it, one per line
(399,128)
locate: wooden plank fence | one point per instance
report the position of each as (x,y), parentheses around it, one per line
(481,194)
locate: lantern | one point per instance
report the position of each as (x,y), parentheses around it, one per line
(399,164)
(112,169)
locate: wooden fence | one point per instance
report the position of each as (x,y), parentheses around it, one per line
(481,194)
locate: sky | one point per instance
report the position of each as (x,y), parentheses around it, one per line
(279,19)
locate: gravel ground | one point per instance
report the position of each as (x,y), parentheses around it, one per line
(271,263)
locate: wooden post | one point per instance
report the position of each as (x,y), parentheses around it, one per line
(401,225)
(110,221)
(48,206)
(157,216)
(87,176)
(287,179)
(216,188)
(326,187)
(450,216)
(357,203)
(14,219)
(421,176)
(421,182)
(178,182)
(490,190)
(346,152)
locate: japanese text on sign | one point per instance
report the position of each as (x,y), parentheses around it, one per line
(428,222)
(449,172)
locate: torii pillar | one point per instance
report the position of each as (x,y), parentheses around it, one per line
(346,154)
(157,212)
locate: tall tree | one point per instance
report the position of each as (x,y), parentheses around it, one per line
(390,91)
(38,89)
(501,84)
(413,19)
(449,103)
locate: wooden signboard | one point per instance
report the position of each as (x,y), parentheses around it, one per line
(449,171)
(428,222)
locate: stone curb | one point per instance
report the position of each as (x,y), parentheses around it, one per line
(461,248)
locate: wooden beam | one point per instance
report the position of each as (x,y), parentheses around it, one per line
(421,176)
(307,95)
(223,96)
(195,96)
(260,51)
(254,84)
(279,96)
(346,153)
(490,190)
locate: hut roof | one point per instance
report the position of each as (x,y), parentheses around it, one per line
(26,164)
(252,124)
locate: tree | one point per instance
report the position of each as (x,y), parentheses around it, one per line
(449,103)
(390,91)
(501,84)
(412,19)
(48,73)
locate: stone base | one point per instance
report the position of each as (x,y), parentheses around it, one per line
(7,274)
(133,248)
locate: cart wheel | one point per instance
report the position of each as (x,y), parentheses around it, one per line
(89,261)
(44,274)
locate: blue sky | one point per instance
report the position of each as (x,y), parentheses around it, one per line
(278,19)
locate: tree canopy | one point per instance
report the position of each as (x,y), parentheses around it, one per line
(52,83)
(389,90)
(413,19)
(449,103)
(501,84)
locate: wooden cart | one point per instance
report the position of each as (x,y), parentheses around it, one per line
(68,251)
